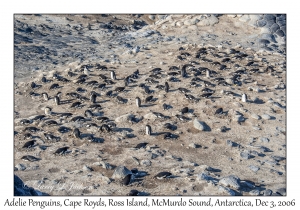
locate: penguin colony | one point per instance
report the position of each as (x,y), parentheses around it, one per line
(202,73)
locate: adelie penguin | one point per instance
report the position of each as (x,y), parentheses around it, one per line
(148,130)
(93,98)
(113,75)
(167,87)
(138,102)
(45,96)
(57,100)
(76,133)
(244,98)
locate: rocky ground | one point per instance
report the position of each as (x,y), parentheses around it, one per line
(237,151)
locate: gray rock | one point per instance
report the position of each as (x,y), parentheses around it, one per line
(245,155)
(124,118)
(229,143)
(20,189)
(264,139)
(238,118)
(281,191)
(231,181)
(151,17)
(267,192)
(146,162)
(254,192)
(86,168)
(192,145)
(271,162)
(200,125)
(226,191)
(266,117)
(253,168)
(256,128)
(255,116)
(20,167)
(121,172)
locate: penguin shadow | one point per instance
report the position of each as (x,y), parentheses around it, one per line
(173,90)
(158,133)
(98,114)
(98,140)
(257,101)
(147,105)
(123,129)
(215,170)
(103,101)
(67,101)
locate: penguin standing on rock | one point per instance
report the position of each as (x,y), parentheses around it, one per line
(113,75)
(138,102)
(148,130)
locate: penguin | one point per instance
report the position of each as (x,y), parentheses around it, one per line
(29,144)
(162,175)
(183,71)
(148,99)
(133,193)
(86,71)
(48,111)
(112,75)
(57,100)
(141,145)
(185,110)
(126,180)
(219,111)
(244,98)
(138,102)
(165,106)
(88,113)
(76,133)
(61,151)
(30,158)
(45,96)
(148,130)
(207,73)
(43,80)
(93,98)
(167,87)
(33,85)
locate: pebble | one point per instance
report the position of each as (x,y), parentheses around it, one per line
(121,172)
(226,190)
(151,17)
(229,143)
(238,118)
(266,117)
(281,191)
(267,192)
(254,192)
(256,128)
(245,155)
(255,116)
(264,139)
(200,125)
(146,162)
(231,181)
(253,168)
(192,145)
(20,167)
(124,118)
